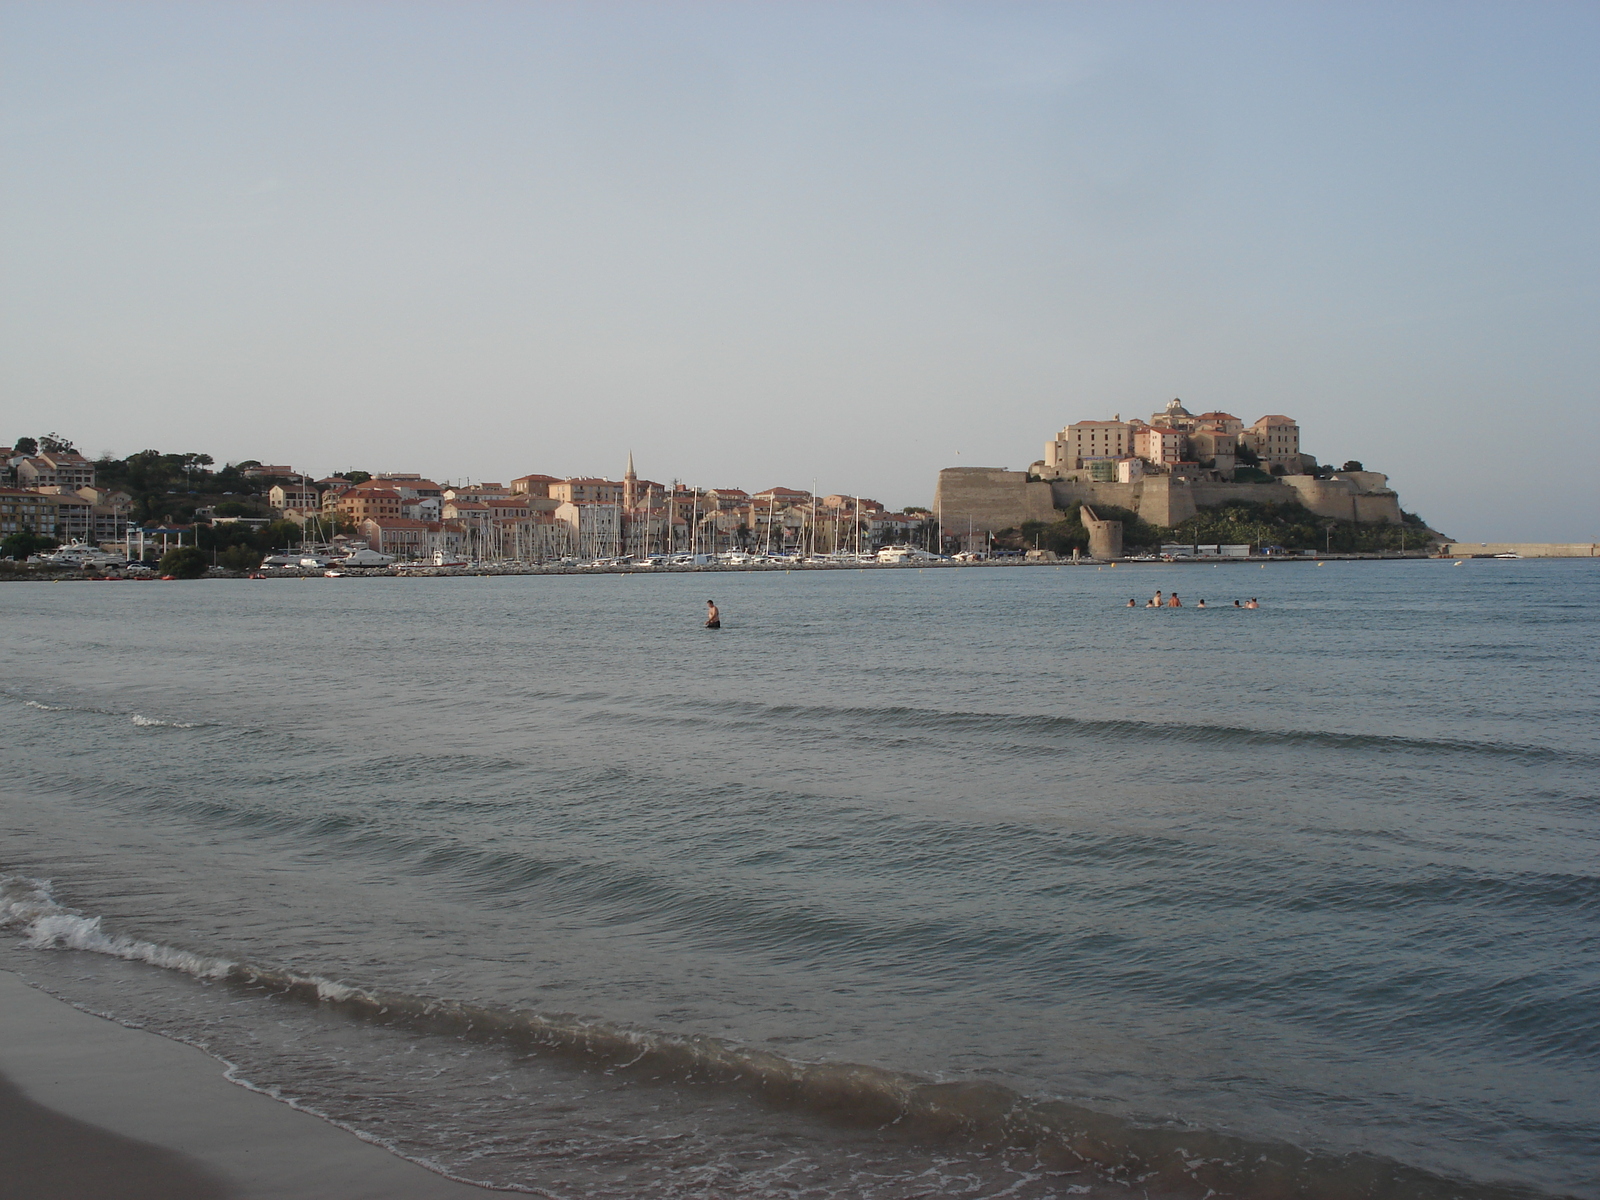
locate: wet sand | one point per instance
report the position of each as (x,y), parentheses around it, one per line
(91,1109)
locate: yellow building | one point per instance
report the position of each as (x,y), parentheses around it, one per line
(1276,440)
(1087,441)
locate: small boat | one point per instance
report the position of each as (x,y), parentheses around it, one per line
(1507,554)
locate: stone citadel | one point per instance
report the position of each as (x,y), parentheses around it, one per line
(1165,470)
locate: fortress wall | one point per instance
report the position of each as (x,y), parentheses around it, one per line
(1348,499)
(991,499)
(1105,537)
(1067,494)
(1378,509)
(995,499)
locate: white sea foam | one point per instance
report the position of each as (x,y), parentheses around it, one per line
(138,719)
(145,722)
(26,905)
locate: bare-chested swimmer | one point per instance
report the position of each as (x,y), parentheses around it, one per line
(1251,603)
(1173,601)
(1154,601)
(713,615)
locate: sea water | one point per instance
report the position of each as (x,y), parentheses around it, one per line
(904,883)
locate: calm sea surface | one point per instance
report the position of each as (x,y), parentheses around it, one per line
(904,883)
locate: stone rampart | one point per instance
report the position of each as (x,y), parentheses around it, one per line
(989,499)
(993,499)
(1362,496)
(1105,537)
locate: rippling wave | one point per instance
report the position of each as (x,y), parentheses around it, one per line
(1165,1161)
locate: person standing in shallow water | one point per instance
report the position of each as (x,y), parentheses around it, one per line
(1173,601)
(713,615)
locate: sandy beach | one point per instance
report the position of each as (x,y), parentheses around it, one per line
(92,1109)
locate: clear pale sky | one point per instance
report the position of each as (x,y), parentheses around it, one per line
(778,243)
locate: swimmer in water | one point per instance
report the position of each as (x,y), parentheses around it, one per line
(1154,601)
(1173,601)
(1236,604)
(1251,603)
(1131,604)
(713,615)
(1202,603)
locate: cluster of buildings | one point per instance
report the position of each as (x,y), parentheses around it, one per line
(1173,442)
(544,516)
(534,517)
(54,494)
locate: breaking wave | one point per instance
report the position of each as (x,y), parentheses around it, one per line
(1147,1160)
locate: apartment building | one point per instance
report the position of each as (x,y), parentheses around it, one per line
(24,510)
(66,469)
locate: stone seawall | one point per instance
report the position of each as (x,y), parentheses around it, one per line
(1525,549)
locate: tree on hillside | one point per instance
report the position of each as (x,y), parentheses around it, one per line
(358,476)
(27,445)
(54,443)
(193,464)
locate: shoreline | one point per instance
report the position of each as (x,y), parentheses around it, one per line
(486,570)
(92,1107)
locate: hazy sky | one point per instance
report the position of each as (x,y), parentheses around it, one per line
(772,243)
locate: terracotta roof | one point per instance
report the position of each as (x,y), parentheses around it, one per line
(1274,419)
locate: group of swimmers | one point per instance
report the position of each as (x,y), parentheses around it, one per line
(1172,601)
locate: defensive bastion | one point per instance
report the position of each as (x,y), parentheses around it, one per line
(989,499)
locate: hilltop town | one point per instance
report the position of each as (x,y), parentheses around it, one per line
(1180,477)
